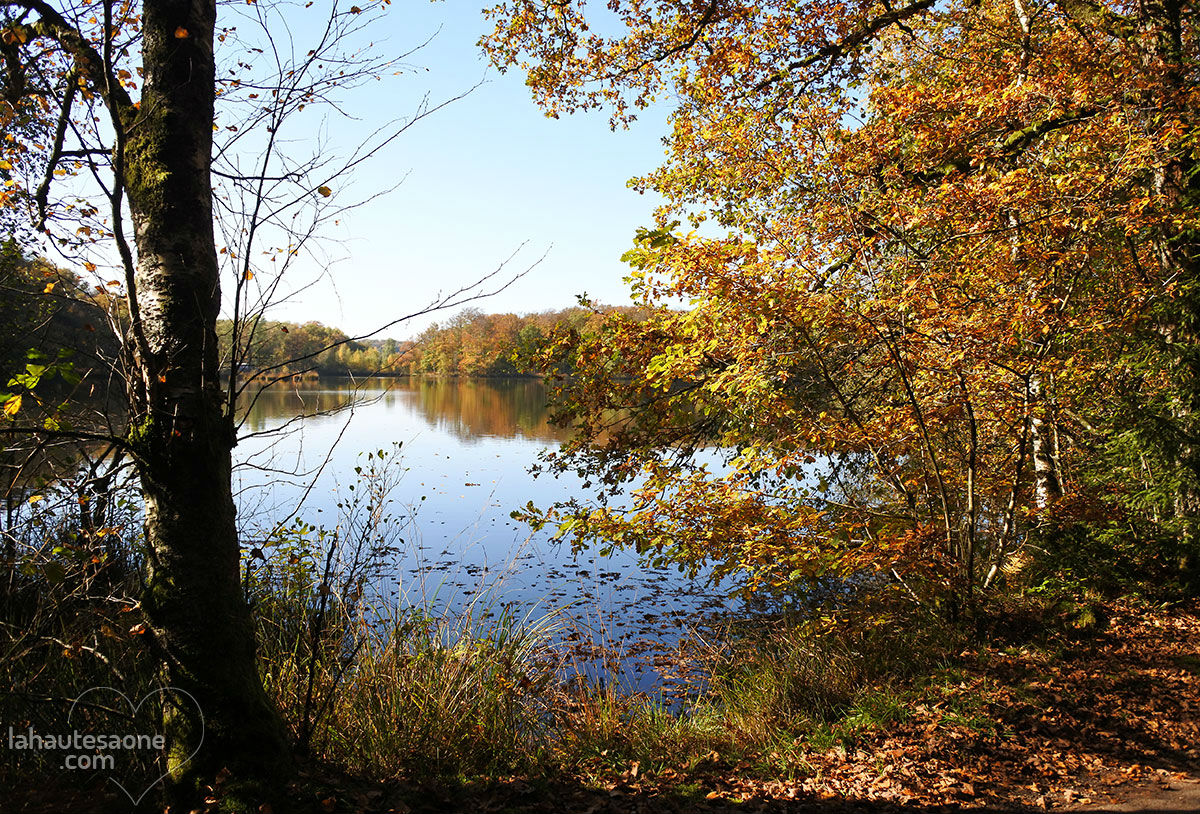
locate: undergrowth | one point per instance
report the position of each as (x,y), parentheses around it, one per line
(380,689)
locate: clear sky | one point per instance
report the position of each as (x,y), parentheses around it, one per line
(484,175)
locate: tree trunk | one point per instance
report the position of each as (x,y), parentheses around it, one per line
(197,613)
(1047,480)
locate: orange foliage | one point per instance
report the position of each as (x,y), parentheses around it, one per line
(923,239)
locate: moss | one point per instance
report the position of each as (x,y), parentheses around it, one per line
(159,590)
(140,432)
(147,141)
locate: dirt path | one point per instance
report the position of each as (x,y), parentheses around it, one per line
(1174,795)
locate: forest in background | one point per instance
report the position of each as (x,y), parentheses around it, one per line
(50,314)
(56,338)
(471,343)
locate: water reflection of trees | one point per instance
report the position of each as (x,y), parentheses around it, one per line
(287,400)
(498,408)
(465,408)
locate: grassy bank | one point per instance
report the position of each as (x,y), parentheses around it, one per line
(796,711)
(1042,699)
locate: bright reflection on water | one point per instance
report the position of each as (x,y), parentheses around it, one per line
(467,446)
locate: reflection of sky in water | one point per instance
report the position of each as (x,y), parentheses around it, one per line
(466,450)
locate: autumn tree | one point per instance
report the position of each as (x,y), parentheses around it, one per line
(129,98)
(159,154)
(941,269)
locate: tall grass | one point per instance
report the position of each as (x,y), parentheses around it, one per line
(417,691)
(456,695)
(387,688)
(768,690)
(797,672)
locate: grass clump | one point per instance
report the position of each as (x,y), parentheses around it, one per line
(380,687)
(598,725)
(444,696)
(795,675)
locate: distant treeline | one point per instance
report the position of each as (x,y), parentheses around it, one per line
(291,347)
(46,311)
(470,344)
(478,344)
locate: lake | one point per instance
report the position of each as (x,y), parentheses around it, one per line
(466,448)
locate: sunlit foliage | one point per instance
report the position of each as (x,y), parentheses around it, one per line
(941,263)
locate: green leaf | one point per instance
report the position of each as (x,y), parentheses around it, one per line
(53,572)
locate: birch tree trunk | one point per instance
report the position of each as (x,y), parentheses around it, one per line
(198,615)
(1047,480)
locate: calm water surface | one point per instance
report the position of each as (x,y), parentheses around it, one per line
(466,447)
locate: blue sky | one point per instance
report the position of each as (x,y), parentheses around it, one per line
(484,175)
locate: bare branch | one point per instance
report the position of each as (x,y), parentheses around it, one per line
(834,51)
(56,151)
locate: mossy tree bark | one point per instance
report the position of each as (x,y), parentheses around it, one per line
(197,613)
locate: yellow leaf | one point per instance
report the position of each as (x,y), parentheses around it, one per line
(324,192)
(12,405)
(49,287)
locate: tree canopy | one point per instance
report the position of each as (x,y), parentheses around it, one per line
(941,261)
